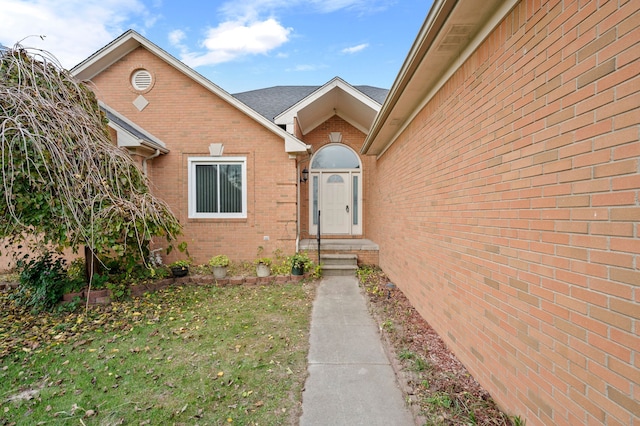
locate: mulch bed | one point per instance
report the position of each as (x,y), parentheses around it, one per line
(441,390)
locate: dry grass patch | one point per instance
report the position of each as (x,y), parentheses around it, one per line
(186,355)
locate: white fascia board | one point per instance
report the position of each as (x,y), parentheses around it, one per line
(153,140)
(131,40)
(292,145)
(429,31)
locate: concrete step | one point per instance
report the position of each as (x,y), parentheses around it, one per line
(339,270)
(339,264)
(339,259)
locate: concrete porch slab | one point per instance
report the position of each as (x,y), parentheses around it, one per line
(343,244)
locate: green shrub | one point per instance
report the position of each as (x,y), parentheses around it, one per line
(301,260)
(43,281)
(99,281)
(76,276)
(119,290)
(219,260)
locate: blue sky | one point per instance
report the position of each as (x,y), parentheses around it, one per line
(240,45)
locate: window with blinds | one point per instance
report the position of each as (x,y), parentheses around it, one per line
(217,188)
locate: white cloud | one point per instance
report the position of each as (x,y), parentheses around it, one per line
(235,39)
(355,49)
(328,6)
(304,67)
(176,37)
(251,9)
(74,29)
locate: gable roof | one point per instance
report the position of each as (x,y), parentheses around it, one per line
(272,101)
(130,134)
(131,40)
(336,97)
(451,32)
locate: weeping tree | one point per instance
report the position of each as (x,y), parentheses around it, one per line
(64,183)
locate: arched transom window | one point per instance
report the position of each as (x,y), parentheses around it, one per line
(335,157)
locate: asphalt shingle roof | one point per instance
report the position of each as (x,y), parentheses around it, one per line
(135,132)
(272,101)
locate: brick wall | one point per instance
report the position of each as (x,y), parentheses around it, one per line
(508,212)
(188,117)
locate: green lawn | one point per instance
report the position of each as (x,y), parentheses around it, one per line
(188,355)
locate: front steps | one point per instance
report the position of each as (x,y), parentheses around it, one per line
(341,256)
(339,265)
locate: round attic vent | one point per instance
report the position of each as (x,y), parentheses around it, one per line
(141,80)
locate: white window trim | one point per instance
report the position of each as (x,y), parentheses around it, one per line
(192,162)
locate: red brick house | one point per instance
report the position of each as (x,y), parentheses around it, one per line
(497,183)
(505,199)
(231,167)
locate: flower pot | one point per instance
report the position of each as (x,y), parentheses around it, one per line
(263,270)
(179,271)
(297,270)
(219,272)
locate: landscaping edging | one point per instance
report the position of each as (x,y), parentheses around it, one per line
(8,285)
(104,297)
(98,297)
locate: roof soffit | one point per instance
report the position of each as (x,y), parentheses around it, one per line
(452,31)
(334,98)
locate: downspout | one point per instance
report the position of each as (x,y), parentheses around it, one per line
(151,157)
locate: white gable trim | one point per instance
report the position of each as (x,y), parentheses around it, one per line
(130,140)
(131,40)
(289,116)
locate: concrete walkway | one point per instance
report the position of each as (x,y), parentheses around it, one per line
(351,381)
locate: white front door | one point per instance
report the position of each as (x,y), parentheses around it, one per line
(335,191)
(335,205)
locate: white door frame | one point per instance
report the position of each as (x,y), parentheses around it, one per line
(353,184)
(353,197)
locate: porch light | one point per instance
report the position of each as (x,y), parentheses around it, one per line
(335,137)
(304,175)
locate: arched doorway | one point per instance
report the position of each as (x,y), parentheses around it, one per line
(335,191)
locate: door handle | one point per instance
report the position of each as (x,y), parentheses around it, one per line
(347,209)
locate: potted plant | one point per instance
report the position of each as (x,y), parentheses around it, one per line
(180,268)
(300,262)
(219,264)
(263,266)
